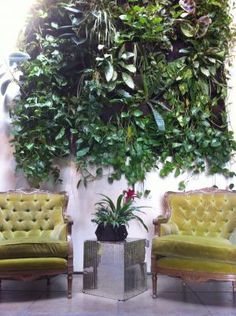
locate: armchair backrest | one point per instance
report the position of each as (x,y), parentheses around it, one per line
(32,214)
(204,212)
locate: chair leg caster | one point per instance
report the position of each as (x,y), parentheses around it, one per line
(154,296)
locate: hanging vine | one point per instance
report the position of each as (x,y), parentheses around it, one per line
(131,85)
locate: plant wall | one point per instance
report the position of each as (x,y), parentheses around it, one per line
(130,85)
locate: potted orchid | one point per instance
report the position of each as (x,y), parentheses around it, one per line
(112,218)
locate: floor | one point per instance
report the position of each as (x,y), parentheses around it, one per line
(33,299)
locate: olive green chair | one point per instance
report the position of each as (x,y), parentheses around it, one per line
(35,236)
(196,238)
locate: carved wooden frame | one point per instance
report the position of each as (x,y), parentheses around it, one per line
(184,275)
(38,274)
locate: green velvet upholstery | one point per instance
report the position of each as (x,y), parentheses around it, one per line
(29,264)
(203,214)
(32,215)
(218,249)
(199,235)
(196,265)
(33,248)
(35,235)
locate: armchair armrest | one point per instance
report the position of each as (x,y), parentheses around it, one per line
(157,223)
(69,221)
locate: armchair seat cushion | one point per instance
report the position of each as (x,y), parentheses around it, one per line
(33,247)
(196,265)
(186,246)
(29,264)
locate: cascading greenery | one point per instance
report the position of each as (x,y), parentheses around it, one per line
(131,85)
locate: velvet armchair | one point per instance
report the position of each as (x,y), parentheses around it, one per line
(35,236)
(195,239)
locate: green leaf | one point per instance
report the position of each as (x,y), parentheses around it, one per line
(205,71)
(130,68)
(127,55)
(60,134)
(215,143)
(124,17)
(124,94)
(177,172)
(137,113)
(82,152)
(54,25)
(182,186)
(188,30)
(158,119)
(176,145)
(128,80)
(109,71)
(30,146)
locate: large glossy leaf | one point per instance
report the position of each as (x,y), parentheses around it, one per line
(158,119)
(109,71)
(205,71)
(128,80)
(82,152)
(188,30)
(60,134)
(130,68)
(127,55)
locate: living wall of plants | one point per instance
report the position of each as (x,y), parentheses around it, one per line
(125,84)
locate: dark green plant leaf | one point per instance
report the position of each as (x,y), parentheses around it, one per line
(188,30)
(158,119)
(109,71)
(82,152)
(128,80)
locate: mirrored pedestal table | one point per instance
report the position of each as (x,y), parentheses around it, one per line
(115,270)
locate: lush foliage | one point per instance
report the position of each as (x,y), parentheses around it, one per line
(119,213)
(134,85)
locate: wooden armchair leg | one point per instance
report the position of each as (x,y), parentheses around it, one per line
(154,285)
(234,286)
(48,281)
(69,281)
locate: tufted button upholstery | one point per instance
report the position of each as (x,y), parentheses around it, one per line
(34,215)
(203,214)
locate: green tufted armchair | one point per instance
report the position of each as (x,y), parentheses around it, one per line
(35,236)
(196,237)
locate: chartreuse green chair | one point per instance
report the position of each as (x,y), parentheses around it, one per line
(196,238)
(35,236)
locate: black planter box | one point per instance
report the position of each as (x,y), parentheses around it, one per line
(110,233)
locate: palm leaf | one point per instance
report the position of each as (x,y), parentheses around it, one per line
(141,221)
(108,202)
